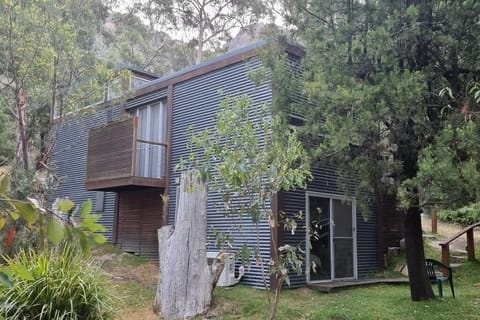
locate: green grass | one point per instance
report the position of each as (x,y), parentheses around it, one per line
(134,280)
(137,290)
(374,302)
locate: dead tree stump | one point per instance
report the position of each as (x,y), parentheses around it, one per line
(185,286)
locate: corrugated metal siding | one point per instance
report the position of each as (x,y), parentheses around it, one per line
(142,100)
(69,158)
(326,181)
(195,105)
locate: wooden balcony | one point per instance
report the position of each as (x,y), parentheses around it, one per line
(118,160)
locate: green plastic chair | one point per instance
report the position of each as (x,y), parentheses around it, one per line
(438,273)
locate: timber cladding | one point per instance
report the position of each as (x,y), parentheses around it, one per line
(111,152)
(138,218)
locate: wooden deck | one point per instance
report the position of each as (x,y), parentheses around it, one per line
(340,285)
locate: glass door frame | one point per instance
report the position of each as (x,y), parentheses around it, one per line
(331,197)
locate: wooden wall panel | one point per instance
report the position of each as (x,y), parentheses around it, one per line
(110,151)
(139,216)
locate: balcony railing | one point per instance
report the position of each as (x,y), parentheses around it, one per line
(117,159)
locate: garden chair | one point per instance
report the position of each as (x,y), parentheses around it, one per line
(438,273)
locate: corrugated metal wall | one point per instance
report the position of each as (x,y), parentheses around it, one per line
(143,100)
(195,106)
(325,181)
(69,158)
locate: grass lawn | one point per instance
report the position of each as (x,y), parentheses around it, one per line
(135,280)
(375,302)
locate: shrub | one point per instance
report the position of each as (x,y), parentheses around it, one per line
(463,216)
(50,285)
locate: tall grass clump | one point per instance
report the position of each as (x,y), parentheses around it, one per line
(55,285)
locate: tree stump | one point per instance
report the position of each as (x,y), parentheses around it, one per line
(185,285)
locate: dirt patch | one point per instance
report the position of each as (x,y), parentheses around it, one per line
(138,314)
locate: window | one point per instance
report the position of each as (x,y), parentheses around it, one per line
(151,140)
(99,201)
(136,82)
(295,120)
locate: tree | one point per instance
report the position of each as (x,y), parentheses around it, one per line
(455,152)
(206,23)
(249,158)
(46,54)
(6,135)
(128,40)
(373,73)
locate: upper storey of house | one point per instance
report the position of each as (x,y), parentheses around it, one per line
(136,150)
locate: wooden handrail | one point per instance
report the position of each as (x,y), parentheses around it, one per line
(458,234)
(470,244)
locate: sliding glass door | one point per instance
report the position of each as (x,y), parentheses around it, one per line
(331,235)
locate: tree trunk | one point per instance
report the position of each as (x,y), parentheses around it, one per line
(21,149)
(201,34)
(420,287)
(185,285)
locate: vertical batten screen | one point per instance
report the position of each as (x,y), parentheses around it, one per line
(152,136)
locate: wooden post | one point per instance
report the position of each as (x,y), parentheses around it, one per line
(470,245)
(445,253)
(433,216)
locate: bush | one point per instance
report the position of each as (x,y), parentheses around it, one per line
(49,285)
(463,216)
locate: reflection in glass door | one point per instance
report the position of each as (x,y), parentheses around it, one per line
(331,224)
(319,223)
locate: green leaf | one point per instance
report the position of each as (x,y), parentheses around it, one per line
(86,208)
(98,238)
(3,220)
(5,280)
(65,205)
(14,215)
(4,180)
(55,231)
(26,211)
(83,242)
(21,271)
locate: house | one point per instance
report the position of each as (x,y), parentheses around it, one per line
(123,157)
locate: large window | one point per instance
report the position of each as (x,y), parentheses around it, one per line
(151,140)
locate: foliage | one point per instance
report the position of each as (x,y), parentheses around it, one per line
(47,66)
(6,135)
(205,23)
(51,285)
(250,157)
(374,71)
(454,154)
(463,216)
(53,226)
(130,40)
